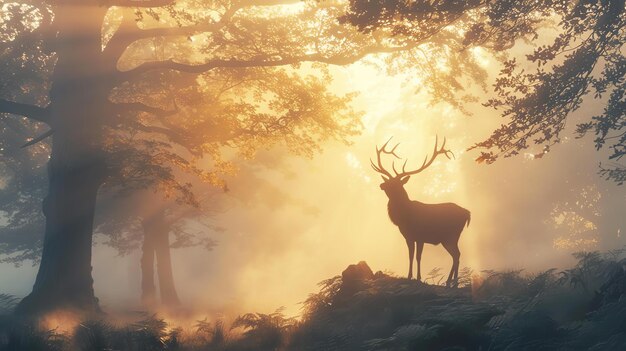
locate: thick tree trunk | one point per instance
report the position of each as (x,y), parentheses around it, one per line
(169,297)
(156,236)
(64,278)
(148,288)
(76,168)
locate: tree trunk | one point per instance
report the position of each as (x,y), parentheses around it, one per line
(76,168)
(169,297)
(64,278)
(156,233)
(148,289)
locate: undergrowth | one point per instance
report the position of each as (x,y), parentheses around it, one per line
(580,308)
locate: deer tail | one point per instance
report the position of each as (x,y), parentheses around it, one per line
(469,218)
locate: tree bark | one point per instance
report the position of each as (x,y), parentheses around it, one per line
(77,167)
(169,297)
(156,237)
(148,288)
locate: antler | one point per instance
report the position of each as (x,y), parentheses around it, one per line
(379,168)
(436,152)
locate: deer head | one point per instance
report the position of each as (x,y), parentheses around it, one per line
(393,185)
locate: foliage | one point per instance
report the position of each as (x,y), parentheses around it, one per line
(323,299)
(592,269)
(263,331)
(17,335)
(506,311)
(22,170)
(209,334)
(584,61)
(167,128)
(538,95)
(92,336)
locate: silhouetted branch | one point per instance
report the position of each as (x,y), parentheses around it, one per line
(616,174)
(129,32)
(39,138)
(31,111)
(175,31)
(139,106)
(262,62)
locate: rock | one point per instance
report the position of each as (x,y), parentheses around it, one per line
(355,278)
(357,273)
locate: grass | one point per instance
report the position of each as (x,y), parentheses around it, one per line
(580,308)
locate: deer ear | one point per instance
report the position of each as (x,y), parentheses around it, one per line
(384,179)
(405,179)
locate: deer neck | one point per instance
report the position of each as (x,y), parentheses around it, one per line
(397,206)
(398,197)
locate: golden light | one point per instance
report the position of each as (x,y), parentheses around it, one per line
(62,322)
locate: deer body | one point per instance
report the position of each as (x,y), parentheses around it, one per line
(421,223)
(429,223)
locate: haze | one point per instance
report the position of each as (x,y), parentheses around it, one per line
(292,221)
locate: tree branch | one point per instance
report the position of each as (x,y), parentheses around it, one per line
(167,131)
(139,106)
(129,32)
(33,112)
(267,62)
(39,138)
(173,31)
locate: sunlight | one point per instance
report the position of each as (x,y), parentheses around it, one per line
(353,162)
(61,321)
(280,10)
(32,20)
(481,56)
(573,221)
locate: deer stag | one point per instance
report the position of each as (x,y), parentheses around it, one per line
(418,222)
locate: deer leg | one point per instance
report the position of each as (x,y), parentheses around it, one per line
(453,249)
(418,258)
(456,261)
(411,245)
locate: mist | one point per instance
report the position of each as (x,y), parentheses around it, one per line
(292,221)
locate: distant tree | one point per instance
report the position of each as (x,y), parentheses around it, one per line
(575,219)
(23,185)
(125,222)
(24,67)
(141,94)
(585,61)
(129,224)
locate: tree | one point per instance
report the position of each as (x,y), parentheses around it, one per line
(125,223)
(128,224)
(23,187)
(24,67)
(97,137)
(585,61)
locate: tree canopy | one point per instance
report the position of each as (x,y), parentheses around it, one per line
(537,96)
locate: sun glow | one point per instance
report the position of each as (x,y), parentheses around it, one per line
(62,322)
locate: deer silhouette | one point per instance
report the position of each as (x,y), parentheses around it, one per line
(418,222)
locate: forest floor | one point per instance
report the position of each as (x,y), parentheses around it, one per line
(581,308)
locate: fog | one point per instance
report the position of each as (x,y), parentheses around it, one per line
(291,222)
